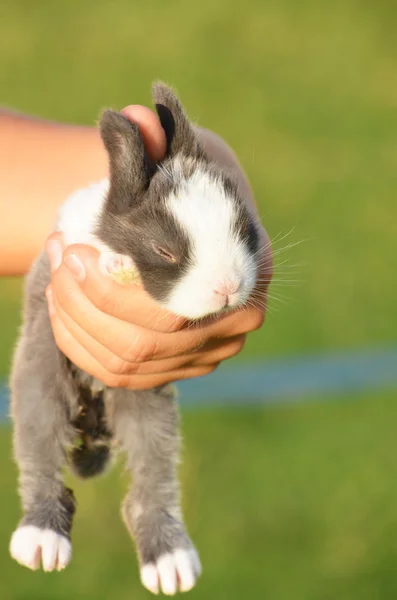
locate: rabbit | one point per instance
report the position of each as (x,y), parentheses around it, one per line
(184,229)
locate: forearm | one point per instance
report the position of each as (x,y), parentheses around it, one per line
(40,164)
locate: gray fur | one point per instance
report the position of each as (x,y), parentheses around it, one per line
(42,411)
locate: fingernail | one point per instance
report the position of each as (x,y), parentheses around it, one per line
(50,301)
(54,251)
(76,267)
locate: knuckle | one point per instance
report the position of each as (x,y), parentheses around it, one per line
(137,354)
(236,346)
(104,301)
(256,320)
(118,366)
(176,324)
(199,343)
(141,350)
(111,380)
(210,368)
(168,322)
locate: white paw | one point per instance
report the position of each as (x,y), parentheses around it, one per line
(119,267)
(172,572)
(29,545)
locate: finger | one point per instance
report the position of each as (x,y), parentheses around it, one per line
(150,127)
(54,247)
(73,349)
(126,340)
(147,382)
(137,344)
(102,355)
(215,351)
(244,320)
(110,361)
(84,361)
(126,302)
(224,351)
(134,305)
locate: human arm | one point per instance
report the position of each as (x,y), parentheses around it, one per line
(41,163)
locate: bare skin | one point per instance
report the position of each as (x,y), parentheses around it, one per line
(115,333)
(41,163)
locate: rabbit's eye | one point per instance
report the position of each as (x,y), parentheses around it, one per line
(164,254)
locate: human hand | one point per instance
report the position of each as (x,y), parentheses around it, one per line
(118,334)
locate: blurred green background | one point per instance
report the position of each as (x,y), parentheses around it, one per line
(297,501)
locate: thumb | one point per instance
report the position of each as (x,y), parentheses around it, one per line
(150,127)
(129,303)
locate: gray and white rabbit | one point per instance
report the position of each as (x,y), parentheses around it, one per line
(186,227)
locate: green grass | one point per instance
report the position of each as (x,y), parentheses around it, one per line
(295,502)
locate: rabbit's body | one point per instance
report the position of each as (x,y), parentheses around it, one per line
(185,229)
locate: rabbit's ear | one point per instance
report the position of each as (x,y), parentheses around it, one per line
(178,130)
(130,166)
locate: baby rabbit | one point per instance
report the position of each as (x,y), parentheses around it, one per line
(183,228)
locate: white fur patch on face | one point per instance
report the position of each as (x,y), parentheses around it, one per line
(79,214)
(220,259)
(172,571)
(30,545)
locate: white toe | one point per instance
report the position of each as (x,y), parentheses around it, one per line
(149,578)
(25,546)
(167,573)
(64,553)
(49,549)
(185,570)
